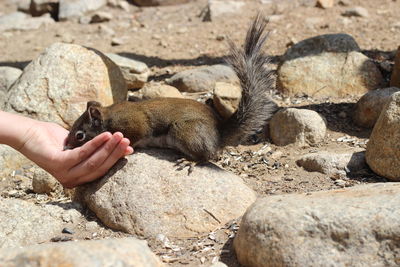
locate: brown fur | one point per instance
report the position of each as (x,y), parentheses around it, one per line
(186,125)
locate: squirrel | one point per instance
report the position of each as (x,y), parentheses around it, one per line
(188,126)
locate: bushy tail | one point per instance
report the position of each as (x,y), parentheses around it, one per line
(255,107)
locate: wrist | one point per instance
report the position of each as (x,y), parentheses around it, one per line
(15,129)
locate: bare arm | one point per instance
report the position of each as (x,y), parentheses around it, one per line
(43,142)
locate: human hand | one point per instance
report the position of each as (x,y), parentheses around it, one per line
(43,143)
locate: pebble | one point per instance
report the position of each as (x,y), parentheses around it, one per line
(356,12)
(67,231)
(116,41)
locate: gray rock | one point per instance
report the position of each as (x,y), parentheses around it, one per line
(23,223)
(135,72)
(329,75)
(370,105)
(8,75)
(107,252)
(297,126)
(56,85)
(335,43)
(330,163)
(71,9)
(226,98)
(21,21)
(347,227)
(43,182)
(155,90)
(382,154)
(202,79)
(357,11)
(217,8)
(147,195)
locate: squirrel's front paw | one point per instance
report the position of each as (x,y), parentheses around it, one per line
(182,163)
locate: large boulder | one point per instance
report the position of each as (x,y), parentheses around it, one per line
(146,195)
(327,66)
(370,105)
(107,252)
(383,148)
(56,85)
(347,227)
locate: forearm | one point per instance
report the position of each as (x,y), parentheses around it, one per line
(14,129)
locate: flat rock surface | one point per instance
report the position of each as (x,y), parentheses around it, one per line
(22,223)
(158,199)
(108,252)
(349,227)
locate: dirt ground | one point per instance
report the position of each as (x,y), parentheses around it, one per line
(173,38)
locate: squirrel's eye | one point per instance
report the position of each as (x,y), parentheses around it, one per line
(80,135)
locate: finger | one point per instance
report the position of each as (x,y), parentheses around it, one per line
(128,151)
(116,154)
(80,154)
(95,161)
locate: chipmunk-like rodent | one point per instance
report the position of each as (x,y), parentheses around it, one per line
(187,125)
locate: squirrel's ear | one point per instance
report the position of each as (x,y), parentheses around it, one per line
(92,104)
(95,116)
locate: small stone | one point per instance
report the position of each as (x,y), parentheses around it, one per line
(155,90)
(72,9)
(135,72)
(202,79)
(340,182)
(330,162)
(105,30)
(100,16)
(218,8)
(43,182)
(226,98)
(325,3)
(117,41)
(356,12)
(91,226)
(67,231)
(300,126)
